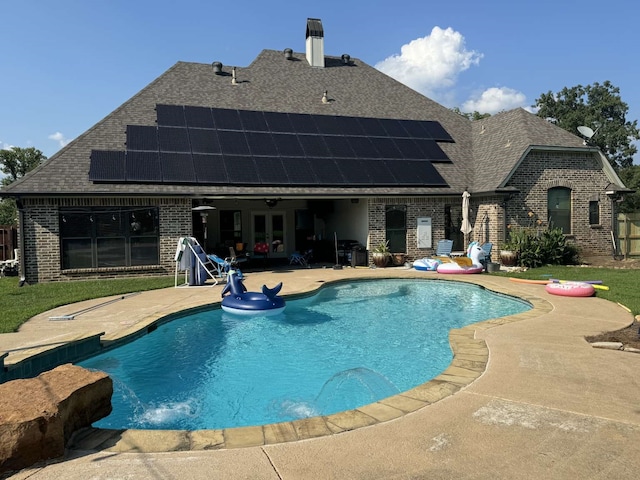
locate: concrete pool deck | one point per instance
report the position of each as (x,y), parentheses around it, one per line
(526,397)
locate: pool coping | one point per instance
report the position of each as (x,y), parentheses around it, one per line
(470,359)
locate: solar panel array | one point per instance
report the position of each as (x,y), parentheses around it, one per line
(201,145)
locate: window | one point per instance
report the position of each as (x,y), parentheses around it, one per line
(109,237)
(594,212)
(230,227)
(396,219)
(559,208)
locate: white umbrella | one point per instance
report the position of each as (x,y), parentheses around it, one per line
(466,227)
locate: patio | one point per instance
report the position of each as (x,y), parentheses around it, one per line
(546,406)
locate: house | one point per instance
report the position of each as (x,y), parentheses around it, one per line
(294,150)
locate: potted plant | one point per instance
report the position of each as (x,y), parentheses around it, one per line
(381,255)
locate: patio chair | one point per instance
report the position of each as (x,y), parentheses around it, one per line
(487,247)
(443,248)
(234,259)
(297,258)
(219,265)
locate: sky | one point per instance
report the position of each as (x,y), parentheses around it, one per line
(67,64)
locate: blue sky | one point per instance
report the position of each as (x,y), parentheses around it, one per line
(65,65)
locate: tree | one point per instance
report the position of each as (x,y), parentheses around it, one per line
(15,163)
(475,115)
(600,108)
(630,176)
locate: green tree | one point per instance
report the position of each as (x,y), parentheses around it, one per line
(475,115)
(600,108)
(630,176)
(15,163)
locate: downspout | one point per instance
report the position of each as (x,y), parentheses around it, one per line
(21,230)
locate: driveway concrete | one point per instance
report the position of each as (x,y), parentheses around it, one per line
(526,397)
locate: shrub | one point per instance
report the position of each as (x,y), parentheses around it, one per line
(541,247)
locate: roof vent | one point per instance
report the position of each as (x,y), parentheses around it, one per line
(217,67)
(346,59)
(288,53)
(315,42)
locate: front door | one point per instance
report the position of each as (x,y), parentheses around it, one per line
(269,227)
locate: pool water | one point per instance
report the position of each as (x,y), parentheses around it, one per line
(344,347)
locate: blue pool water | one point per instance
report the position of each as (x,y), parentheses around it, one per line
(347,346)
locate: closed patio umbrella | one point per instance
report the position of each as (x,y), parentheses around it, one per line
(466,227)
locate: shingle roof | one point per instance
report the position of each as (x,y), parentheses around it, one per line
(273,83)
(500,141)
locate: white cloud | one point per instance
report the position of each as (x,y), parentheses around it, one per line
(494,100)
(60,138)
(431,63)
(5,146)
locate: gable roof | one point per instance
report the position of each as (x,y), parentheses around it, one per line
(501,141)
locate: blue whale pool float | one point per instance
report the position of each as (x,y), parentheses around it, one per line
(236,299)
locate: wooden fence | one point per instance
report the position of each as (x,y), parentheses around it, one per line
(629,234)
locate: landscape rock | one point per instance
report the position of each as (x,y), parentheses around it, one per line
(39,415)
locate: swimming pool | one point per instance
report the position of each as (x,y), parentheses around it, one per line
(346,346)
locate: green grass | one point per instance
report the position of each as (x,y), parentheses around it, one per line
(624,284)
(19,304)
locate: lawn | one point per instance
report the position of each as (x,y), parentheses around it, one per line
(19,304)
(623,283)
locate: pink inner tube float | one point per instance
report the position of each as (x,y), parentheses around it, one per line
(475,253)
(570,289)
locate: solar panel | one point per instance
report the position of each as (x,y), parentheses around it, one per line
(177,168)
(204,141)
(408,148)
(363,147)
(372,127)
(353,171)
(326,171)
(241,169)
(225,146)
(278,122)
(261,144)
(437,131)
(298,171)
(339,146)
(379,172)
(432,151)
(198,117)
(327,125)
(170,115)
(303,123)
(233,143)
(226,119)
(349,125)
(142,167)
(270,170)
(253,121)
(209,169)
(393,127)
(106,166)
(313,146)
(415,129)
(386,147)
(413,172)
(142,138)
(173,139)
(287,145)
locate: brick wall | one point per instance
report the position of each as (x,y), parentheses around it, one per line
(580,172)
(42,261)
